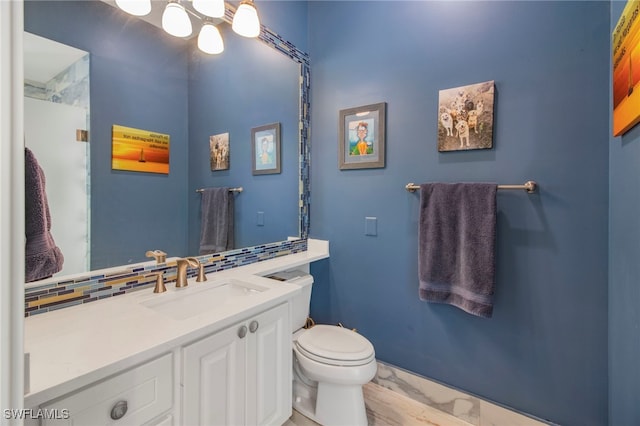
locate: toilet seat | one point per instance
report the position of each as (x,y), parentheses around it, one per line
(334,345)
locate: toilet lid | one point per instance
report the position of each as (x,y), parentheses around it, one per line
(335,345)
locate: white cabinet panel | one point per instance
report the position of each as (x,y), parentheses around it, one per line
(269,383)
(135,396)
(162,421)
(214,371)
(241,375)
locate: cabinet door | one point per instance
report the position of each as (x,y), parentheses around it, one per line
(269,367)
(213,380)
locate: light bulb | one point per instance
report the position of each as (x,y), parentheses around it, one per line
(135,7)
(210,40)
(245,20)
(212,8)
(175,20)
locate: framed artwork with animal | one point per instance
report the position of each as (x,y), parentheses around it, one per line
(219,151)
(465,117)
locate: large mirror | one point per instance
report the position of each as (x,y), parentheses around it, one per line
(141,77)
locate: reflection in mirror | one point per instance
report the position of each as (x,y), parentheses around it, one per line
(143,78)
(56,119)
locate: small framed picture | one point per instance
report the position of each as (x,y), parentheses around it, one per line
(265,148)
(362,137)
(219,151)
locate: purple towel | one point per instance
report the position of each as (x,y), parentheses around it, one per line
(216,230)
(457,237)
(42,257)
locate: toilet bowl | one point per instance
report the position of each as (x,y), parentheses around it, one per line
(330,363)
(330,366)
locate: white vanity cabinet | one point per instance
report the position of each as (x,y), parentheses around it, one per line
(240,375)
(135,397)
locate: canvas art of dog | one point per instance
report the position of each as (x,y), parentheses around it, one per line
(447,122)
(465,117)
(472,120)
(463,133)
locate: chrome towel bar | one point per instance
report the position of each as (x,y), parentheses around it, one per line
(530,186)
(238,189)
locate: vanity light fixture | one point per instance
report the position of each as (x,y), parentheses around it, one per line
(210,8)
(209,39)
(175,20)
(246,21)
(135,7)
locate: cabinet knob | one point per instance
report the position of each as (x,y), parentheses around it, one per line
(119,410)
(253,326)
(242,331)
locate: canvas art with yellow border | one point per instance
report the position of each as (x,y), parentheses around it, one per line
(626,69)
(139,150)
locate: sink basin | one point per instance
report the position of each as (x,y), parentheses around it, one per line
(189,302)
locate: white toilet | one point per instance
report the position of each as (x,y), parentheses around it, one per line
(330,365)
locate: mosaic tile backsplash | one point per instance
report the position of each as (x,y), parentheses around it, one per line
(86,289)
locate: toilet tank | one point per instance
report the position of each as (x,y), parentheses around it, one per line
(301,302)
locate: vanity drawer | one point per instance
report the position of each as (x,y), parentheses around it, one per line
(130,398)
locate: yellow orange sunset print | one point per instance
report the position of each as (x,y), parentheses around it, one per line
(139,150)
(626,69)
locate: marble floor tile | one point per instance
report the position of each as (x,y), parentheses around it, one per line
(388,408)
(493,415)
(298,419)
(429,393)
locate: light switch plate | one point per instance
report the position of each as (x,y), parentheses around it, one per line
(371,226)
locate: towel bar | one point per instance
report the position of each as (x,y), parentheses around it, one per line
(530,186)
(238,189)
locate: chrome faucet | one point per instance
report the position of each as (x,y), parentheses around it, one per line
(181,270)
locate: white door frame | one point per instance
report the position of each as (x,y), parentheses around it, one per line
(12,237)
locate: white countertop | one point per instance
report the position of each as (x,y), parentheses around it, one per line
(76,346)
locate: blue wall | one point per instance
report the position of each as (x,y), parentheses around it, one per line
(544,352)
(143,78)
(624,271)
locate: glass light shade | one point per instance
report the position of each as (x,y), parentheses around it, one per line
(135,7)
(212,8)
(210,40)
(245,20)
(175,20)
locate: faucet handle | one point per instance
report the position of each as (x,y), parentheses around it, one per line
(201,275)
(159,255)
(193,262)
(160,287)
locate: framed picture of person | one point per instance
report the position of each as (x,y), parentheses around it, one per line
(361,137)
(265,149)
